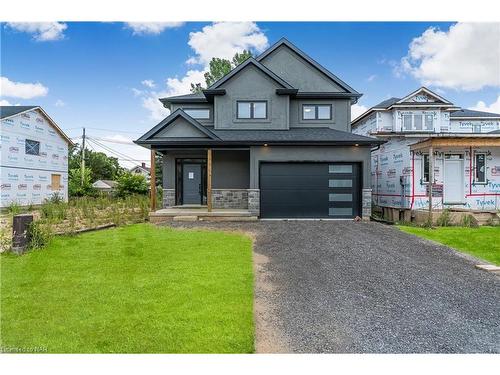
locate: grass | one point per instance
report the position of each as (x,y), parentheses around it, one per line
(133,289)
(482,242)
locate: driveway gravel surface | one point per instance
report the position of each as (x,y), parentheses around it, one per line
(353,287)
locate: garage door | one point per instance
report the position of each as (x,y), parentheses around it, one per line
(310,190)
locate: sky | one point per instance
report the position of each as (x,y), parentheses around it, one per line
(108,77)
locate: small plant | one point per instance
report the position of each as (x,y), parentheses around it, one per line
(444,220)
(468,221)
(427,223)
(14,208)
(5,240)
(55,198)
(39,235)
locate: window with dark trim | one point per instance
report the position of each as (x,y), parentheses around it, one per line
(316,112)
(425,168)
(251,109)
(198,113)
(32,147)
(480,168)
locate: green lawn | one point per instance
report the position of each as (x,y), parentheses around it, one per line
(482,242)
(134,289)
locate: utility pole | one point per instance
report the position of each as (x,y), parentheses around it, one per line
(83,156)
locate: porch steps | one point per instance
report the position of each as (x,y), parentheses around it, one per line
(201,214)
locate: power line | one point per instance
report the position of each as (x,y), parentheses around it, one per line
(114,152)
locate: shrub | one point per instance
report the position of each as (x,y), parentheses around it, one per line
(55,198)
(75,186)
(14,208)
(39,235)
(129,183)
(444,220)
(468,221)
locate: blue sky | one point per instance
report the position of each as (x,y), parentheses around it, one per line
(90,73)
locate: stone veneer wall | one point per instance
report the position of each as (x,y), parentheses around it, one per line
(367,204)
(254,201)
(230,198)
(168,198)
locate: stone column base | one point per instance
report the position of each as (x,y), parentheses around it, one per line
(168,198)
(366,204)
(254,201)
(230,198)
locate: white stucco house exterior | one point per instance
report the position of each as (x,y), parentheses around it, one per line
(464,166)
(34,156)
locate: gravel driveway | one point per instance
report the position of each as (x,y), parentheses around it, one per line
(346,287)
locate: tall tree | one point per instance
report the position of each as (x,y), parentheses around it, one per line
(218,68)
(103,167)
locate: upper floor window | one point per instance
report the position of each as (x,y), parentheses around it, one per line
(417,122)
(32,147)
(198,113)
(251,110)
(480,168)
(316,112)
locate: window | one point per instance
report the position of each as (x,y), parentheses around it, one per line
(316,112)
(55,181)
(32,147)
(425,168)
(251,110)
(429,122)
(340,168)
(480,168)
(476,128)
(407,122)
(418,122)
(198,113)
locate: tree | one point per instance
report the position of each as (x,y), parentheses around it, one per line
(75,186)
(130,183)
(218,68)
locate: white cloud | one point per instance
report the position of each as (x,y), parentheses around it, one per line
(371,78)
(466,57)
(482,106)
(41,31)
(149,83)
(60,103)
(5,102)
(224,39)
(221,39)
(151,28)
(357,110)
(21,90)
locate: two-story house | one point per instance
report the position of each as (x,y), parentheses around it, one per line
(430,140)
(34,156)
(272,137)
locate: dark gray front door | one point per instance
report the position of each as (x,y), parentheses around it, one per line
(191,184)
(310,190)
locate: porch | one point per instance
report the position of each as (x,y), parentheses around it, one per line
(200,213)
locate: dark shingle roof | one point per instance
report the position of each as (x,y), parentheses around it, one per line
(470,113)
(300,135)
(11,110)
(387,103)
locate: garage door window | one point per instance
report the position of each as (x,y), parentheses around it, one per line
(340,211)
(340,197)
(340,168)
(339,183)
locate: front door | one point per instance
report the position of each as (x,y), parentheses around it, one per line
(192,188)
(453,179)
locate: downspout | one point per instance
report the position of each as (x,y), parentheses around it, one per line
(470,170)
(412,179)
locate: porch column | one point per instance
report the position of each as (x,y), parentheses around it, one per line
(431,180)
(152,181)
(209,179)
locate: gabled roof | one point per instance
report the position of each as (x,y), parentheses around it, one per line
(11,110)
(469,113)
(258,65)
(170,119)
(311,61)
(387,103)
(7,111)
(426,91)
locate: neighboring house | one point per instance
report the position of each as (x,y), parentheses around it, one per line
(273,137)
(142,170)
(465,149)
(34,156)
(105,186)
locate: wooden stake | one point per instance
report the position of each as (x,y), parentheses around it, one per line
(152,182)
(209,180)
